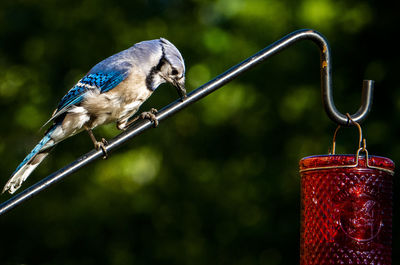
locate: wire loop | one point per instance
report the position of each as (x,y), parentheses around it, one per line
(362,147)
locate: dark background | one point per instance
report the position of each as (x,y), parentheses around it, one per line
(216,184)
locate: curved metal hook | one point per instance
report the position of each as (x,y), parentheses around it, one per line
(326,85)
(326,76)
(326,80)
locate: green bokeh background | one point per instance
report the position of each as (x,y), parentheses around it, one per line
(216,184)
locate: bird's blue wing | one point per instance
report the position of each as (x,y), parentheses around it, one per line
(102,81)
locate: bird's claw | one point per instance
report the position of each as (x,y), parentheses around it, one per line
(102,145)
(150,115)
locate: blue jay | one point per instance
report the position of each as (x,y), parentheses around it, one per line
(112,91)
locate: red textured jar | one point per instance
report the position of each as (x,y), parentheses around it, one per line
(346,210)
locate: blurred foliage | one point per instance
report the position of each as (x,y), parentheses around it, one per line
(216,184)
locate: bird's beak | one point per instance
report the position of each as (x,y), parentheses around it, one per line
(180,87)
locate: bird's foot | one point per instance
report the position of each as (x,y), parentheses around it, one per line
(150,115)
(102,145)
(98,145)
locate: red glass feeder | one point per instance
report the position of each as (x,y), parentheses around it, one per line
(346,209)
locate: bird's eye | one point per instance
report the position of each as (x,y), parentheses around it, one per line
(174,72)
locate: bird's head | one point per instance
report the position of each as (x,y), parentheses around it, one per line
(172,68)
(164,64)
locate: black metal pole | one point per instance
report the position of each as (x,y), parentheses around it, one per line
(204,90)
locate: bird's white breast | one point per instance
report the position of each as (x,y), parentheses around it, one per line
(119,103)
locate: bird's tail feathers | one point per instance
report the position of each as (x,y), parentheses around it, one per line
(30,162)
